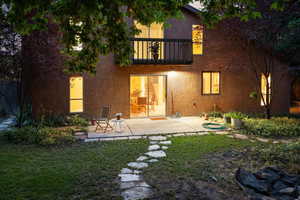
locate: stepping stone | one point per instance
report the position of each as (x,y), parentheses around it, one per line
(153,142)
(142,158)
(126,171)
(166,142)
(137,171)
(91,140)
(178,134)
(152,160)
(157,138)
(153,147)
(126,185)
(138,165)
(164,147)
(136,193)
(156,154)
(262,139)
(130,177)
(240,136)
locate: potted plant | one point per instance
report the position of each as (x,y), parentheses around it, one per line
(236,119)
(227,118)
(155,50)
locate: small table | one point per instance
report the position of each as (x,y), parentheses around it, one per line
(118,125)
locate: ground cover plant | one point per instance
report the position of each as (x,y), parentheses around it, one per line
(48,130)
(275,127)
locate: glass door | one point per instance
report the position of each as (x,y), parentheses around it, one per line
(147,96)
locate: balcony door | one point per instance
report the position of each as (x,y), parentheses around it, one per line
(142,49)
(147,96)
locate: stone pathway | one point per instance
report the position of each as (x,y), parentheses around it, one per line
(131,180)
(7,123)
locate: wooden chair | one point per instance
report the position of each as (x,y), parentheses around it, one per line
(103,121)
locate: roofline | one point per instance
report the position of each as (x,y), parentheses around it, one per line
(191,9)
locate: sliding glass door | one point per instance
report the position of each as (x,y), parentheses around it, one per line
(147,96)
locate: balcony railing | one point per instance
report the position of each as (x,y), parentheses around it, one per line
(162,51)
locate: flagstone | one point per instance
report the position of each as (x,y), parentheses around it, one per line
(156,154)
(153,147)
(137,165)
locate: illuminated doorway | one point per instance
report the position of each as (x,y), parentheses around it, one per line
(147,96)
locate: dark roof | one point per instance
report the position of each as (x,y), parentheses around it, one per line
(191,9)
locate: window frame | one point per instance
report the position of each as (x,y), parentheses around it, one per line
(210,72)
(201,42)
(70,99)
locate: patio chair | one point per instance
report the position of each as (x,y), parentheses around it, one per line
(103,121)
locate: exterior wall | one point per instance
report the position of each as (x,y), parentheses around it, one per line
(111,83)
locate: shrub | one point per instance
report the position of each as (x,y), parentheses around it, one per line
(236,115)
(287,155)
(215,114)
(274,127)
(76,120)
(51,121)
(40,135)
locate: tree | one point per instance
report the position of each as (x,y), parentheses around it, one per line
(12,70)
(270,34)
(102,27)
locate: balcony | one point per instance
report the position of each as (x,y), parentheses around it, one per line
(162,51)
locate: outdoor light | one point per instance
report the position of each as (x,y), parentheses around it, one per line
(172,73)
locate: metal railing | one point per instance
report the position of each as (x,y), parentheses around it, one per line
(161,51)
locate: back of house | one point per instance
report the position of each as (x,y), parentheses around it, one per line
(185,68)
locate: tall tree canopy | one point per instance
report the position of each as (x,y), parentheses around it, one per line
(101,25)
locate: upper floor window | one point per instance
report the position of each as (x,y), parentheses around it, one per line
(155,30)
(197,37)
(265,86)
(76,94)
(210,83)
(146,49)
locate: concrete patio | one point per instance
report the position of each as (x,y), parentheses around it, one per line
(146,126)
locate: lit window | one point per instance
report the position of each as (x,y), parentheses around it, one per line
(197,37)
(264,88)
(76,94)
(210,82)
(142,49)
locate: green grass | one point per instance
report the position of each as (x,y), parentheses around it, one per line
(81,171)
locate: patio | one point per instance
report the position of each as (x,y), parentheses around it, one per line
(146,126)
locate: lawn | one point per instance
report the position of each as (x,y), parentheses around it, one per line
(195,166)
(81,171)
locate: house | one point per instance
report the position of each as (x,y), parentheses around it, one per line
(186,68)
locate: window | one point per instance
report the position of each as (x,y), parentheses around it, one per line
(264,89)
(142,48)
(76,94)
(210,82)
(197,37)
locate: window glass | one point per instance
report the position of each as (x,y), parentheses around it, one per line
(215,82)
(264,89)
(197,37)
(206,82)
(76,94)
(142,49)
(210,82)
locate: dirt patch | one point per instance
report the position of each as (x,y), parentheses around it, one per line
(216,178)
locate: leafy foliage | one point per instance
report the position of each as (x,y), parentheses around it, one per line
(40,135)
(236,115)
(102,26)
(275,127)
